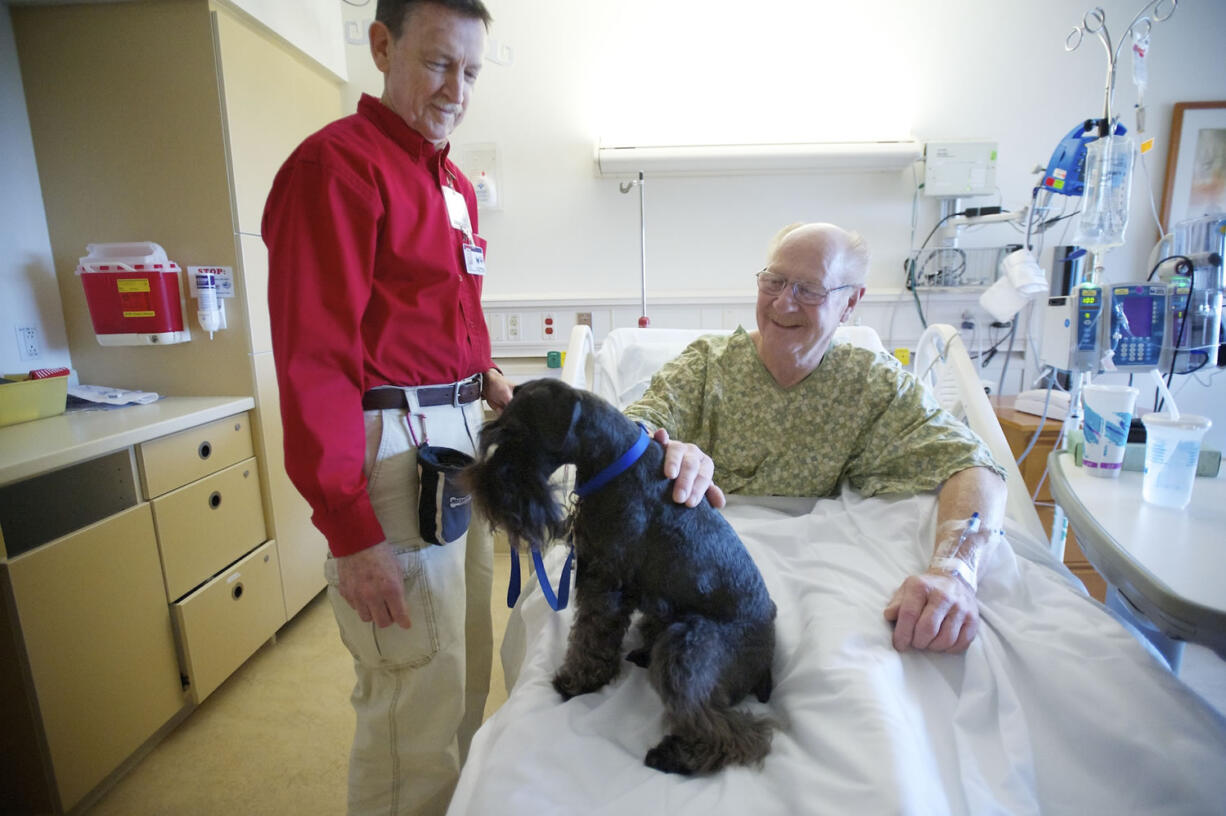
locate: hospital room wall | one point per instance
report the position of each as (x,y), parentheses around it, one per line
(788,70)
(29,296)
(559,74)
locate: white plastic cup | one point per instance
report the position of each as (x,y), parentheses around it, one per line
(1108,414)
(1172,448)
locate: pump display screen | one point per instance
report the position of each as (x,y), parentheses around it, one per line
(1137,325)
(1140,314)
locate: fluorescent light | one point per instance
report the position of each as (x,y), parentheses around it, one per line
(733,159)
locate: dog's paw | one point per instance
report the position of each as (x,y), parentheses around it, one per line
(569,685)
(670,756)
(564,687)
(640,657)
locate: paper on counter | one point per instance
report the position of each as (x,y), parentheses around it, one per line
(111,396)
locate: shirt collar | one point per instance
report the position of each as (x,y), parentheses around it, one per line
(395,128)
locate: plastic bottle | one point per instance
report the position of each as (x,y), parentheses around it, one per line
(487,195)
(208,308)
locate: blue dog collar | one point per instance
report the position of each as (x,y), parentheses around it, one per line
(619,467)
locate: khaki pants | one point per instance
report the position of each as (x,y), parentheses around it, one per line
(420,692)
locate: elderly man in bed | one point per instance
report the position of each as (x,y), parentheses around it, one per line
(784,411)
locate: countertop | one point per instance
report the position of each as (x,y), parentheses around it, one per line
(42,445)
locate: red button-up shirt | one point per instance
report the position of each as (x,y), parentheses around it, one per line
(367,286)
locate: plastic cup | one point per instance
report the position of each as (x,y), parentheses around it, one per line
(1108,413)
(1172,448)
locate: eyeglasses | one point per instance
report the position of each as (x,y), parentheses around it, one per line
(810,294)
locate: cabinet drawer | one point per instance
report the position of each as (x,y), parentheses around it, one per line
(175,460)
(204,527)
(221,624)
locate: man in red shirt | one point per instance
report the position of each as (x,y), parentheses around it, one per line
(375,274)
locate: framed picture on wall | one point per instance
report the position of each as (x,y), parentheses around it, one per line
(1196,162)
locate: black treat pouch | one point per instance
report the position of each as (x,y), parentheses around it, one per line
(444,508)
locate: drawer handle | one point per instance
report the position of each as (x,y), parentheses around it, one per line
(205,450)
(215,499)
(237,591)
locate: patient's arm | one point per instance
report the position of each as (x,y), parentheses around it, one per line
(937,609)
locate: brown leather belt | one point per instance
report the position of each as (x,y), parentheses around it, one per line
(385,399)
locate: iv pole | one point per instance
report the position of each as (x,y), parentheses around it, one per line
(625,187)
(1094,22)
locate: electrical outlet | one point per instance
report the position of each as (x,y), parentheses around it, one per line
(514,328)
(549,326)
(28,344)
(583,319)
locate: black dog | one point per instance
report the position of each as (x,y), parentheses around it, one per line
(707,625)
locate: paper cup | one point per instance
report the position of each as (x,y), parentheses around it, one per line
(1172,447)
(1108,413)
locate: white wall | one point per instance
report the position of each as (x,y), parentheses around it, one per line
(28,292)
(965,68)
(308,25)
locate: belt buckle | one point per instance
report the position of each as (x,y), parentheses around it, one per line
(473,380)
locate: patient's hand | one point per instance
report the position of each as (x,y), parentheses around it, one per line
(933,611)
(691,471)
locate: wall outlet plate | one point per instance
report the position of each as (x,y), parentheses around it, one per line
(29,344)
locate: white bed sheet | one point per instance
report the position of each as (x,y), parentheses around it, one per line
(1056,707)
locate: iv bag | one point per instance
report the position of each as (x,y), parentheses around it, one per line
(1108,191)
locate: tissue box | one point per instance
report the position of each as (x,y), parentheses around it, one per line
(28,399)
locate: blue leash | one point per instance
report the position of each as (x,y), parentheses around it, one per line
(557,601)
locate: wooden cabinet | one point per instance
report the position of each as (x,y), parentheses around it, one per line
(1019,428)
(225,593)
(93,620)
(141,572)
(167,120)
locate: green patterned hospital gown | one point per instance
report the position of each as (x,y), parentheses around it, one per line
(859,417)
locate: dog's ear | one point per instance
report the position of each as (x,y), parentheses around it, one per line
(559,407)
(554,408)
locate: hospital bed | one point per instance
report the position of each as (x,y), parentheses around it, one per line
(1057,707)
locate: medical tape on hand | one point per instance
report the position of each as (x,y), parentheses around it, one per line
(961,546)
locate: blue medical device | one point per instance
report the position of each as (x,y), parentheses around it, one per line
(1066,170)
(1139,325)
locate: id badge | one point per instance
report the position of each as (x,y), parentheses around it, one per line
(457,211)
(474,259)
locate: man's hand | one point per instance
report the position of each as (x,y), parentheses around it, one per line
(933,611)
(371,582)
(497,390)
(691,471)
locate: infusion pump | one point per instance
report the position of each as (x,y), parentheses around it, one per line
(1124,326)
